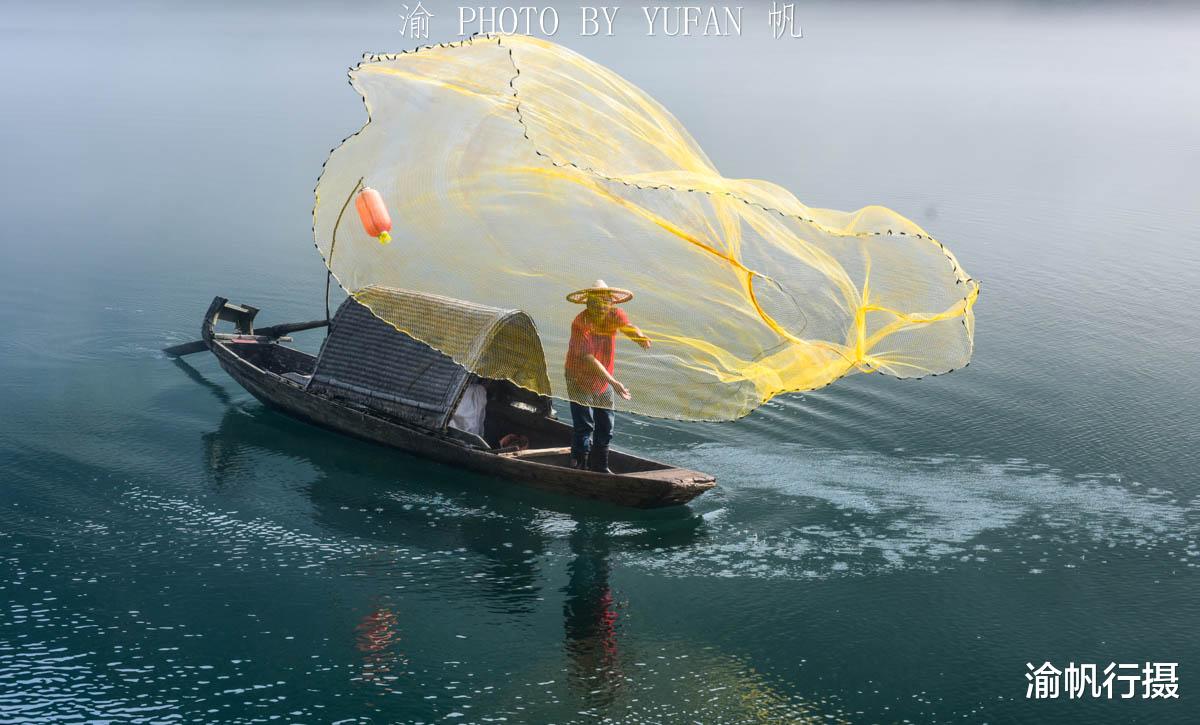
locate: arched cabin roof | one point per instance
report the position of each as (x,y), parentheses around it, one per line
(373,356)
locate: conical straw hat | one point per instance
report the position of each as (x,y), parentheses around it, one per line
(616,294)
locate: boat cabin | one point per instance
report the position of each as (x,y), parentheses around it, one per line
(367,363)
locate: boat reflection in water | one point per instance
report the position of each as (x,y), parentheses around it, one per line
(425,535)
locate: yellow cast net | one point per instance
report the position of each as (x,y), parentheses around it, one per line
(517,171)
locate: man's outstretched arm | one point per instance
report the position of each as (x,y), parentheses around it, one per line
(633,332)
(617,385)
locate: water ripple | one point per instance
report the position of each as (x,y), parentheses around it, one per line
(808,512)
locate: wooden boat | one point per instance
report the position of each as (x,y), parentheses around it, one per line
(374,382)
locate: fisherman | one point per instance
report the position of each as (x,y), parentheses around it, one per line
(591,358)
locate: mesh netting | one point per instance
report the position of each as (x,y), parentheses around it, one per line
(517,171)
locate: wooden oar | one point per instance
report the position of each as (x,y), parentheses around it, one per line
(274,331)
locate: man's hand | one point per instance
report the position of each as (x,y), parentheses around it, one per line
(621,389)
(633,332)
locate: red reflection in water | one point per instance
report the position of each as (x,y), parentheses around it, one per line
(591,618)
(377,637)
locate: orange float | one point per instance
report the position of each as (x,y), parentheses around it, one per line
(374,214)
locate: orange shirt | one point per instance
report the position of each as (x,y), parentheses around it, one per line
(598,339)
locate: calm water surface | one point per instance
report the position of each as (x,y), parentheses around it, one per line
(879,551)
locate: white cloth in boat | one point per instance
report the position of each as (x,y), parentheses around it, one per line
(471,410)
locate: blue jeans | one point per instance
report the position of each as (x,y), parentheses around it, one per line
(593,423)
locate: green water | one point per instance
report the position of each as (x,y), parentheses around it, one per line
(879,551)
